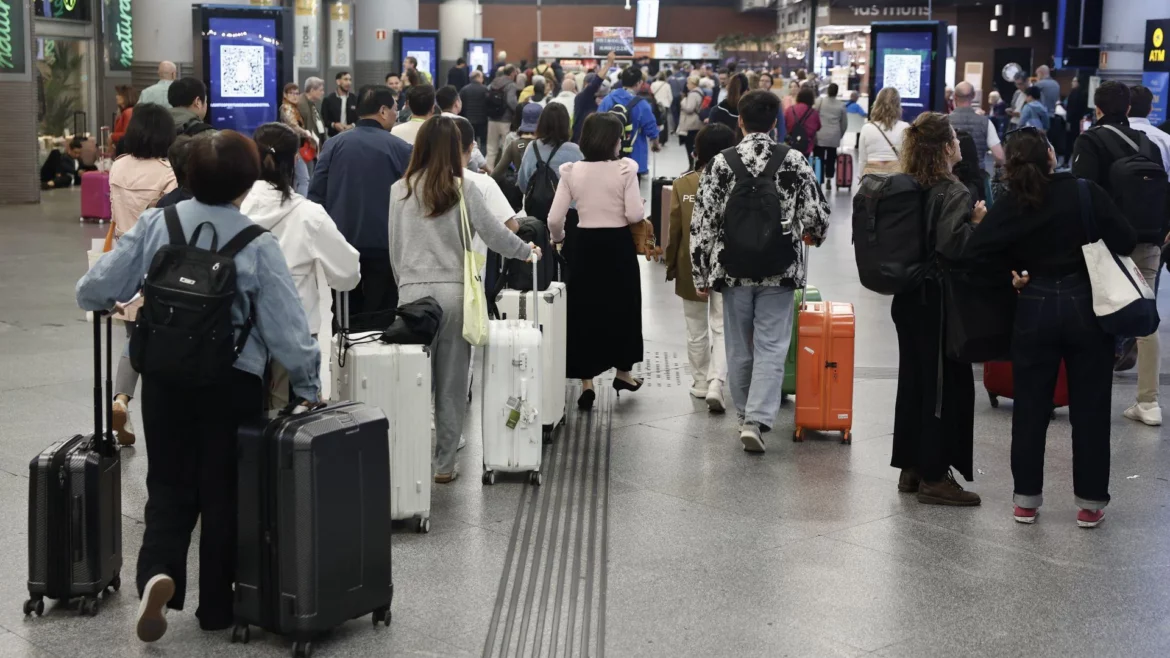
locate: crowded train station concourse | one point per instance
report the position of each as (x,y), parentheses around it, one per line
(664,328)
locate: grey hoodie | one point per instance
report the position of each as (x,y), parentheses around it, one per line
(511,91)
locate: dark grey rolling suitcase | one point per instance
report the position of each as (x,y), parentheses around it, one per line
(75,507)
(314,523)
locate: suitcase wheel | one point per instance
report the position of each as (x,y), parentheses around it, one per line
(994,400)
(489,477)
(798,435)
(535,478)
(847,438)
(88,607)
(382,616)
(302,649)
(424,525)
(241,634)
(115,584)
(36,605)
(546,435)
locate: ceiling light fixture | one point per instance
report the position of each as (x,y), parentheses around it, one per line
(1011,30)
(1027,31)
(999,10)
(994,25)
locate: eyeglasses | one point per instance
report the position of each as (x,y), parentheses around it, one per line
(1029,129)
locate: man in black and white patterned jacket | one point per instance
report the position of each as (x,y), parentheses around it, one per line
(758,313)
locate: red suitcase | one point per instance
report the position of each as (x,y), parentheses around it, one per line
(95,196)
(997,379)
(845,171)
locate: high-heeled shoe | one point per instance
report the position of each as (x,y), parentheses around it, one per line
(585,402)
(620,385)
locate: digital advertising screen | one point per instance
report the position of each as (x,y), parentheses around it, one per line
(424,47)
(480,53)
(906,57)
(244,91)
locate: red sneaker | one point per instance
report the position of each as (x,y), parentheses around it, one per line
(1088,518)
(1026,514)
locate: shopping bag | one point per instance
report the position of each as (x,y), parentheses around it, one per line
(475,308)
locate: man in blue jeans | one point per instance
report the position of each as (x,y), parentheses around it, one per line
(757,313)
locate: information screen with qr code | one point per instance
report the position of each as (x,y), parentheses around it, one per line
(244,91)
(905,61)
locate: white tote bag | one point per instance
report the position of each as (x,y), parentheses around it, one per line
(1123,302)
(475,307)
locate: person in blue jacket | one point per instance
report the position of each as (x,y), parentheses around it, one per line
(352,180)
(642,119)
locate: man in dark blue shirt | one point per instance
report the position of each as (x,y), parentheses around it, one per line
(352,180)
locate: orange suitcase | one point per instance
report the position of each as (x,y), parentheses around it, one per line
(824,369)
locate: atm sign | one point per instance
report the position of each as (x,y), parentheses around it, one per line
(1158,53)
(1156,46)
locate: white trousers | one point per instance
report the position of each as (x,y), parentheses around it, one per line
(705,340)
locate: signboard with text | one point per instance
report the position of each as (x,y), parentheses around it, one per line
(577,49)
(307,30)
(120,34)
(14,39)
(69,10)
(618,40)
(340,28)
(1156,69)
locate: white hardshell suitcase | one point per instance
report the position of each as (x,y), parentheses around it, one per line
(553,348)
(512,422)
(396,379)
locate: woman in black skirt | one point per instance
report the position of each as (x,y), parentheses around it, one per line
(604,293)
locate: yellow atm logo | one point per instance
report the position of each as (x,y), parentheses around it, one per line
(1158,53)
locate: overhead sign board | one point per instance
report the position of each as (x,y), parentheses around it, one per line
(14,39)
(616,40)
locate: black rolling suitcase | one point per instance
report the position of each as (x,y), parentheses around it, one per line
(314,523)
(75,507)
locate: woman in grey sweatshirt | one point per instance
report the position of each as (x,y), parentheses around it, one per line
(426,251)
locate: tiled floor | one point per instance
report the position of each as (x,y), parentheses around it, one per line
(807,550)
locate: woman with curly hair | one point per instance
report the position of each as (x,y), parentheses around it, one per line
(934,414)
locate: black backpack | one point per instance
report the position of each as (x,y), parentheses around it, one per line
(495,104)
(184,333)
(756,244)
(542,186)
(891,235)
(625,113)
(1137,183)
(517,274)
(797,137)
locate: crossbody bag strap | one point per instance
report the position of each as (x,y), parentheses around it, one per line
(887,138)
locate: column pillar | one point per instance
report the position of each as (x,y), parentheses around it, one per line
(458,20)
(374,57)
(19,172)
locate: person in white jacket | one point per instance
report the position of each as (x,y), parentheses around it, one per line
(316,252)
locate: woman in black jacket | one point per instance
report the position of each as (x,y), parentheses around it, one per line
(934,415)
(727,112)
(1039,226)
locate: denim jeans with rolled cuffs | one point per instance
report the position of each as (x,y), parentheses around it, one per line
(1055,321)
(757,327)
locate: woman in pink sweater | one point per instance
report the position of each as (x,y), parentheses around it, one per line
(604,291)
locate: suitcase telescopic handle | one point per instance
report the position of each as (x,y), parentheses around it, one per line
(804,288)
(103,397)
(535,284)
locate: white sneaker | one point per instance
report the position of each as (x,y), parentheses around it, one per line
(750,437)
(462,442)
(699,390)
(123,425)
(152,611)
(714,397)
(1145,412)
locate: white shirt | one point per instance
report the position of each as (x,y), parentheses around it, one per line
(477,160)
(344,100)
(1159,138)
(408,131)
(992,135)
(873,146)
(495,200)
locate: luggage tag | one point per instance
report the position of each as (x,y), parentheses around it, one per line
(513,406)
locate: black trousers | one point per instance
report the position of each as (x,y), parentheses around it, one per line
(828,156)
(191,476)
(1055,321)
(688,142)
(923,441)
(481,136)
(377,294)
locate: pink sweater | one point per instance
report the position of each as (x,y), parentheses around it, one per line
(606,195)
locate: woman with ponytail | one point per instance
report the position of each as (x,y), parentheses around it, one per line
(934,415)
(317,254)
(1039,227)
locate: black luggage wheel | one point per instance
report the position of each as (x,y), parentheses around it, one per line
(535,478)
(115,584)
(994,400)
(302,649)
(546,435)
(241,633)
(36,605)
(88,607)
(382,615)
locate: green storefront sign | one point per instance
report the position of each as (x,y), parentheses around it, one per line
(119,34)
(13,55)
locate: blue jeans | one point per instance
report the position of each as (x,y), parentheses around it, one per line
(757,328)
(1055,321)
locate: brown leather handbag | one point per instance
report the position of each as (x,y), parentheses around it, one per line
(643,234)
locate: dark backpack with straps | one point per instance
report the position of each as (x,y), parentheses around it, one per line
(1137,183)
(542,185)
(891,233)
(797,137)
(756,244)
(625,113)
(184,333)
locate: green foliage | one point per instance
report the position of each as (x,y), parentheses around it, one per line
(62,79)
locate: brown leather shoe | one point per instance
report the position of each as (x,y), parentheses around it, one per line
(908,481)
(947,492)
